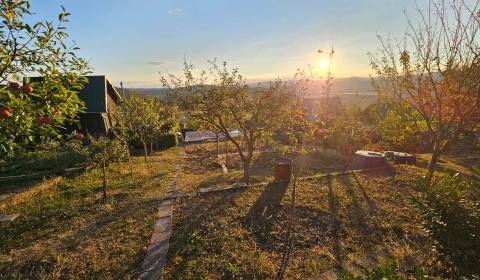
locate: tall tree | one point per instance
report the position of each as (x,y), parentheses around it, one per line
(222,101)
(435,70)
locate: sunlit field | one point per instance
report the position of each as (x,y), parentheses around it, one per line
(240,139)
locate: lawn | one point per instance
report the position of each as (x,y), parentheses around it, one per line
(356,224)
(68,231)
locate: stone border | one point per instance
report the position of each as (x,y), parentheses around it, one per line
(156,255)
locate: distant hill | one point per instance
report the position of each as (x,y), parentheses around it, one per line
(355,89)
(159,92)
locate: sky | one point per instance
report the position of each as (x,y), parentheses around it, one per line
(132,40)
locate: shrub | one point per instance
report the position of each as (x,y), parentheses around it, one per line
(166,141)
(452,219)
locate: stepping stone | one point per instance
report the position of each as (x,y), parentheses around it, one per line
(9,217)
(168,202)
(156,274)
(165,211)
(156,256)
(163,224)
(160,237)
(237,186)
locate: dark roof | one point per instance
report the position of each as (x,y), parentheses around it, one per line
(94,94)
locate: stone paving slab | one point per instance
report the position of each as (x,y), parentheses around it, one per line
(168,202)
(160,237)
(165,211)
(155,274)
(163,224)
(156,255)
(8,217)
(236,186)
(176,195)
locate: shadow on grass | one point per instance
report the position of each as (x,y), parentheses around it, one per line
(370,203)
(200,230)
(262,215)
(335,223)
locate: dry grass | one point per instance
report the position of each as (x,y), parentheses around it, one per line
(69,232)
(355,223)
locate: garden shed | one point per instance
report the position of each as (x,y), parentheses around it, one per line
(101,100)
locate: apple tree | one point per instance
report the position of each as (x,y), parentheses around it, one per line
(36,113)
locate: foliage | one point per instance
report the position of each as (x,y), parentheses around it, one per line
(403,128)
(101,152)
(225,102)
(143,119)
(452,218)
(435,71)
(167,140)
(36,112)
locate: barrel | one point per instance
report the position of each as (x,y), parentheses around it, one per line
(282,169)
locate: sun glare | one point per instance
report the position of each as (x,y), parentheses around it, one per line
(323,64)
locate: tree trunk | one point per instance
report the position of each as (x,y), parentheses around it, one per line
(151,147)
(218,146)
(432,164)
(226,153)
(247,161)
(145,150)
(129,157)
(246,171)
(104,180)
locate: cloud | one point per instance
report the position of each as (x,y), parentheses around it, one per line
(156,62)
(176,12)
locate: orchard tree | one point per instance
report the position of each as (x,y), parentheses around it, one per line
(222,101)
(435,71)
(144,118)
(101,152)
(166,121)
(35,113)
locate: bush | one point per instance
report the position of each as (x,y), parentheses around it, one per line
(161,141)
(452,219)
(166,141)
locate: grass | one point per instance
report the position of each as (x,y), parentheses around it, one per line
(67,231)
(452,163)
(358,224)
(380,223)
(203,170)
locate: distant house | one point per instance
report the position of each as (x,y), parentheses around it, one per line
(101,101)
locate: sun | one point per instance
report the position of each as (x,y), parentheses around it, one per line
(323,64)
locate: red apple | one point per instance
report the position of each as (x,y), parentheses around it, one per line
(5,113)
(41,121)
(27,88)
(14,85)
(47,121)
(79,136)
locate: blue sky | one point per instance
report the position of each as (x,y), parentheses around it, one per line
(132,40)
